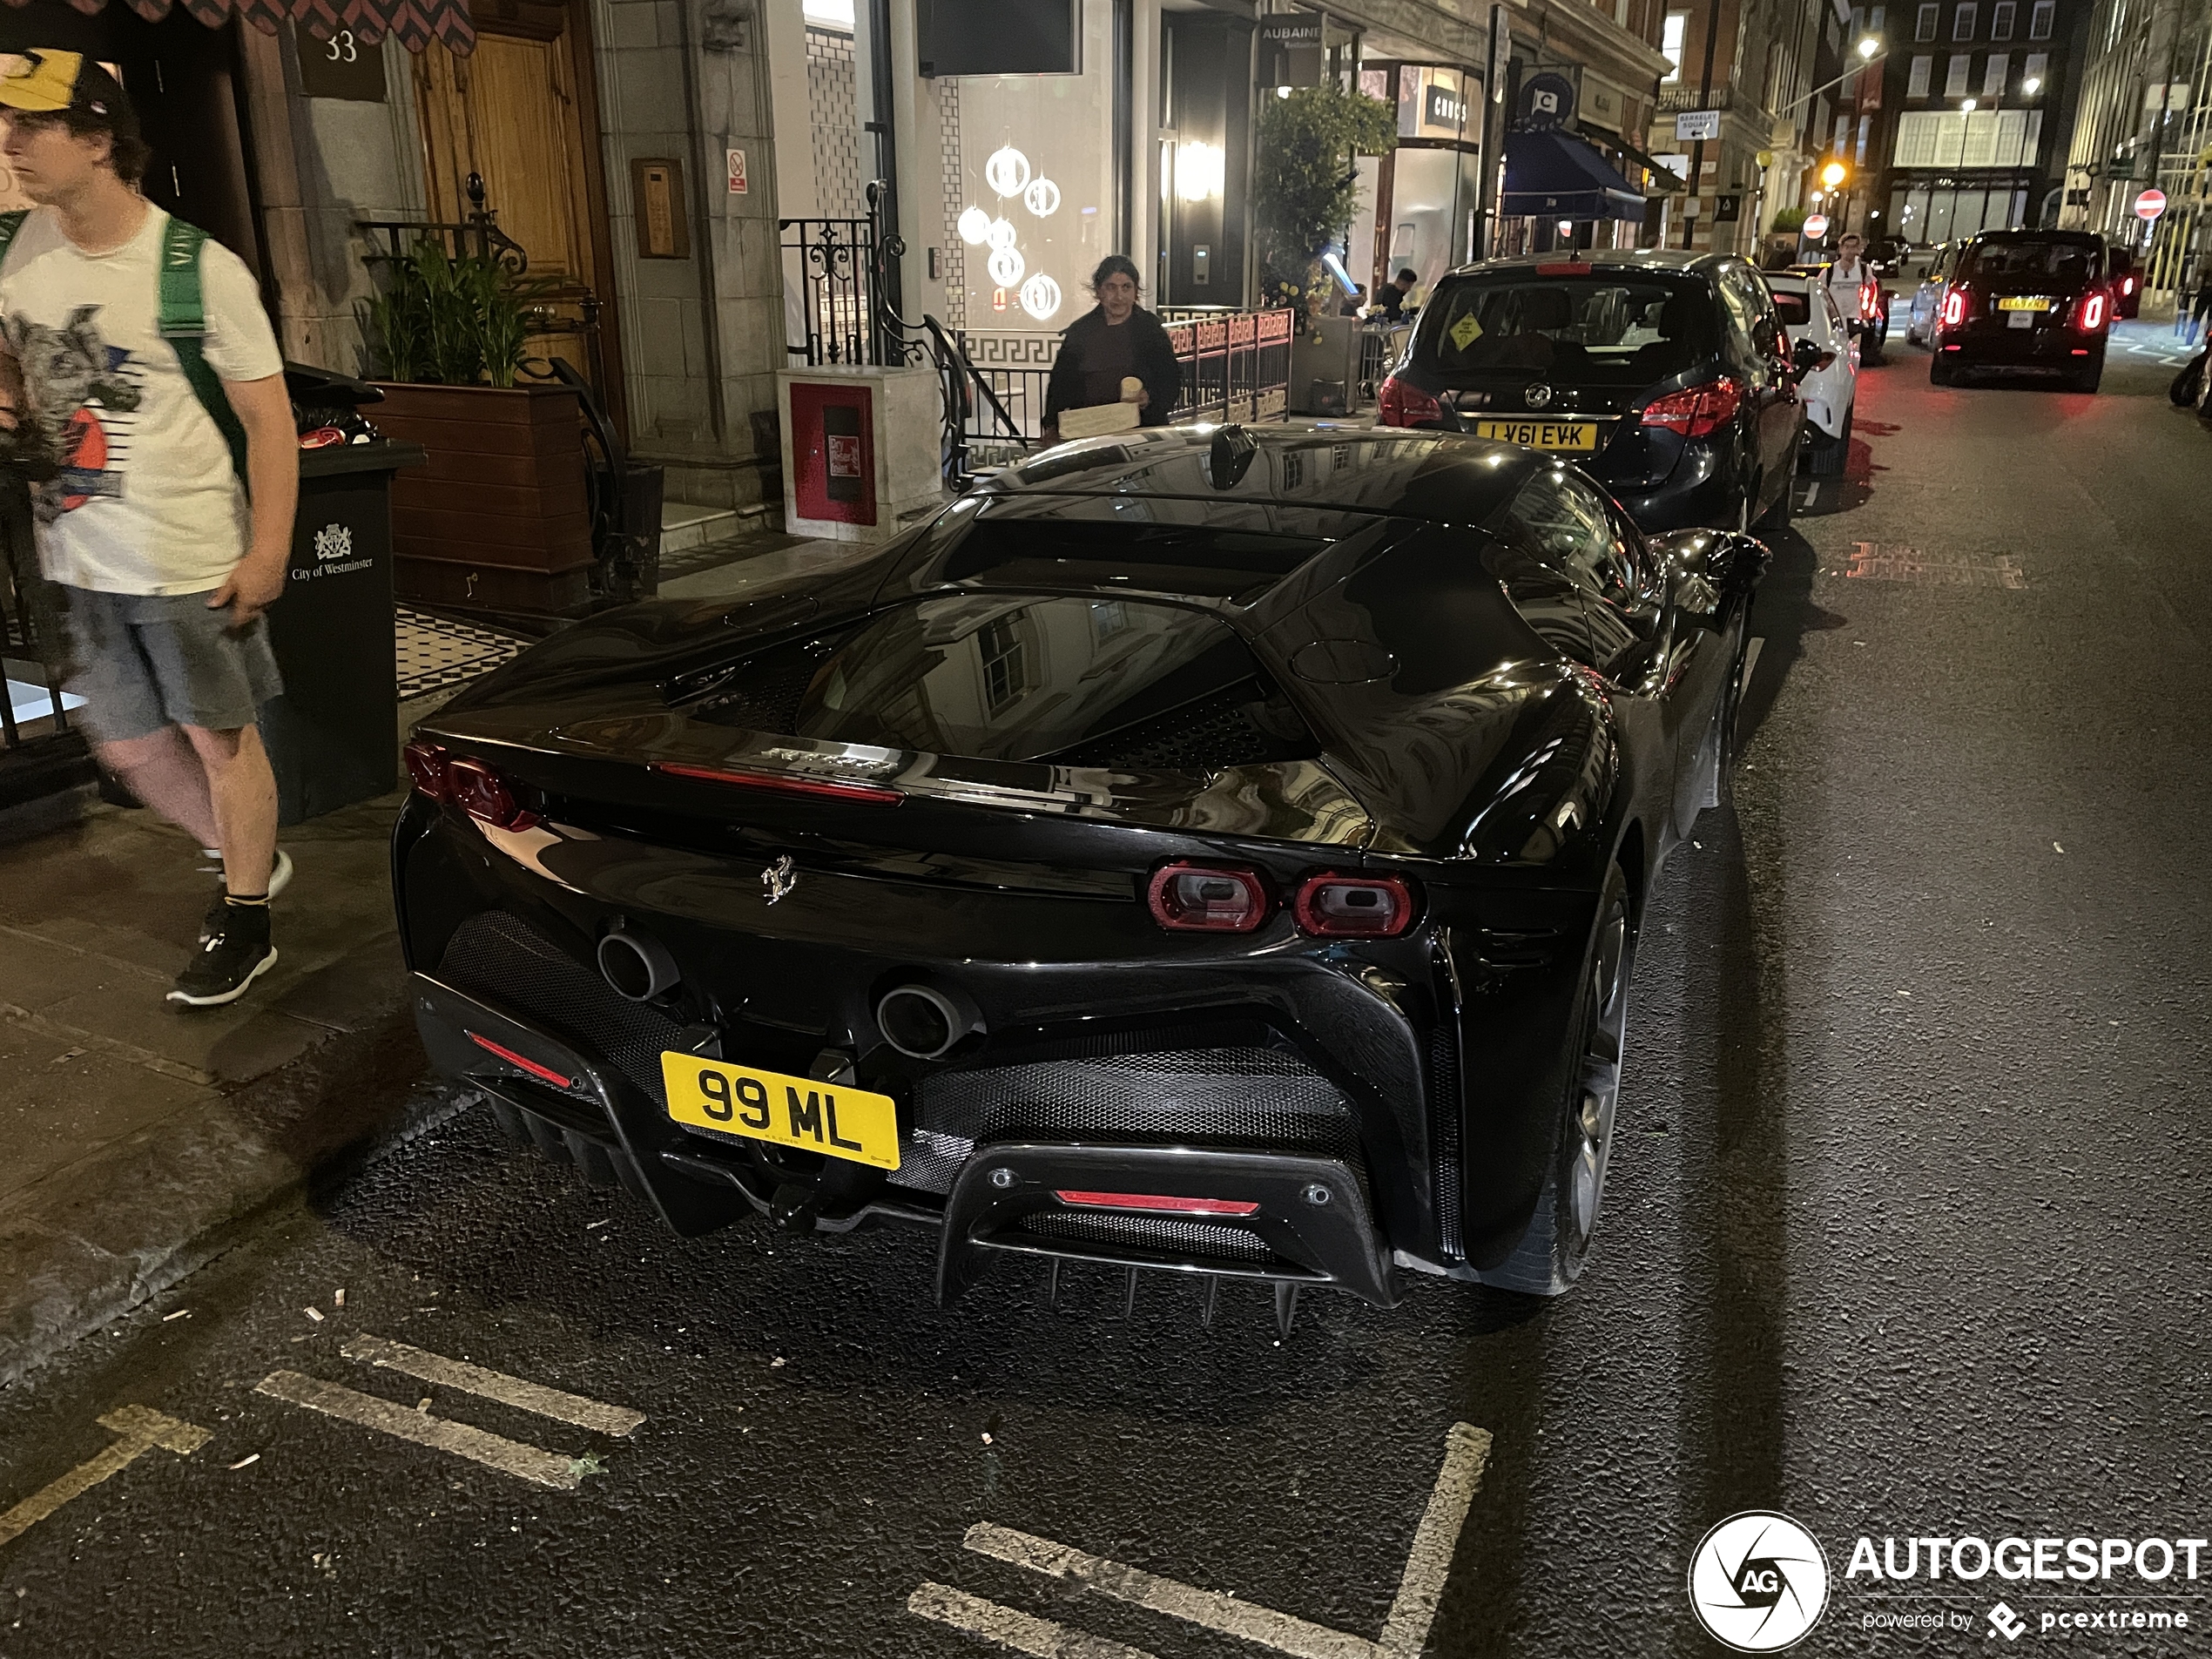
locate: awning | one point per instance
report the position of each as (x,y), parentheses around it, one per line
(417,22)
(1669,178)
(1550,174)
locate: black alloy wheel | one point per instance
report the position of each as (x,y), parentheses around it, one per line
(2087,380)
(1553,1252)
(1827,455)
(1941,372)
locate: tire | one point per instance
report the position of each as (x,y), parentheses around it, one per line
(1941,373)
(2187,384)
(1552,1251)
(2089,379)
(1829,454)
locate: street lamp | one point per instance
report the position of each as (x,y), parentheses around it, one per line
(1833,175)
(2031,87)
(1869,46)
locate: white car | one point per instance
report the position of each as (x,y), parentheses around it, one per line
(1809,312)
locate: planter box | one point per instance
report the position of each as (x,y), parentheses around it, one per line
(498,519)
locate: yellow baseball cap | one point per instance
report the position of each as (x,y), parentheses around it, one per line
(45,82)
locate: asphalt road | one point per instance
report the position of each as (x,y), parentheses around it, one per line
(1907,1236)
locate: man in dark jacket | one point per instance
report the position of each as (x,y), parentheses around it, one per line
(1116,341)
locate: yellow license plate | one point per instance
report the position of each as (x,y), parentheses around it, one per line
(1541,434)
(835,1120)
(2023,302)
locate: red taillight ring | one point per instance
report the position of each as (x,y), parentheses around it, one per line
(426,767)
(486,796)
(1391,918)
(1164,897)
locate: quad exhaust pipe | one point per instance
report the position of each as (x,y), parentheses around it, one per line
(638,966)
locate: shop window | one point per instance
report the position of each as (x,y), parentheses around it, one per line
(1917,85)
(1924,23)
(1955,69)
(1962,22)
(2040,20)
(1993,75)
(2001,19)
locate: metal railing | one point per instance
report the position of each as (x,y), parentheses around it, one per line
(1381,347)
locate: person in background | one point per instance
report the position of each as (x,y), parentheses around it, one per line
(1118,340)
(1391,301)
(2200,312)
(164,563)
(1844,280)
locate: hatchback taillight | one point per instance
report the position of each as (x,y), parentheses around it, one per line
(486,796)
(1207,899)
(1956,304)
(426,766)
(1400,404)
(1698,411)
(1353,906)
(2091,315)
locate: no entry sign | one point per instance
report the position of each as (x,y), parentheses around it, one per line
(2150,204)
(1815,226)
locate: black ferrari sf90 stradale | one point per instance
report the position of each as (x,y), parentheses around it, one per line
(1201,850)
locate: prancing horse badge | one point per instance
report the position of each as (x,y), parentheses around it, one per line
(780,878)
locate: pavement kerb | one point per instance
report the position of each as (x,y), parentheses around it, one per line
(130,1220)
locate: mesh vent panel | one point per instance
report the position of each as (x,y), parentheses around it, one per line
(509,965)
(1179,1238)
(764,694)
(1247,1098)
(1210,736)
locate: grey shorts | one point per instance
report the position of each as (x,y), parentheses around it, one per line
(144,661)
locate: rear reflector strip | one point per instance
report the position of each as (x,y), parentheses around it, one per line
(784,783)
(544,1074)
(1158,1203)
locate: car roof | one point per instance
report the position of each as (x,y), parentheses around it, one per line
(1644,259)
(1444,476)
(2019,233)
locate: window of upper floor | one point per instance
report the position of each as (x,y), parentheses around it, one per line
(1923,68)
(1674,32)
(1924,23)
(2001,19)
(2042,19)
(1962,22)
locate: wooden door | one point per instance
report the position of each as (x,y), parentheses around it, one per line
(519,112)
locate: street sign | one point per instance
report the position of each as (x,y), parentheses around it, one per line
(2150,205)
(1697,123)
(1815,226)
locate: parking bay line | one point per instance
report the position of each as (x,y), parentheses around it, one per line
(531,1397)
(138,1429)
(524,1462)
(1010,1628)
(1466,1450)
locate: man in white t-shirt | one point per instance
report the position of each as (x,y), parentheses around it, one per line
(162,564)
(1846,280)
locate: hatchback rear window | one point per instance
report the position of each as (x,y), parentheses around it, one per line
(1796,309)
(1610,328)
(2068,264)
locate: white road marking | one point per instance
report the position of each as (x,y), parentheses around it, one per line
(1010,1628)
(138,1429)
(1428,1564)
(524,1462)
(536,1398)
(1207,1608)
(1466,1450)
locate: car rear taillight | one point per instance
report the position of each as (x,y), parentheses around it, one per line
(1400,404)
(1159,1203)
(1956,304)
(2090,316)
(1353,906)
(1207,899)
(2126,287)
(784,783)
(426,766)
(486,796)
(1699,410)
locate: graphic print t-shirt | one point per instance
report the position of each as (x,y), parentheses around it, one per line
(146,501)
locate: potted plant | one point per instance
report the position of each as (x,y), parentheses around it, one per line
(499,519)
(1305,182)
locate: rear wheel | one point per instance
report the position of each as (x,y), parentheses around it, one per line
(1828,455)
(2087,380)
(1941,372)
(1551,1254)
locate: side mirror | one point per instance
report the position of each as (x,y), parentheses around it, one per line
(1732,563)
(1806,356)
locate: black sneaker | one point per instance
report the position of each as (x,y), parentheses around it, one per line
(280,879)
(228,961)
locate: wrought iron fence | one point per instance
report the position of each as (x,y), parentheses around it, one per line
(1381,347)
(36,731)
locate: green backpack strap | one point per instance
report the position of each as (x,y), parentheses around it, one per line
(9,224)
(183,325)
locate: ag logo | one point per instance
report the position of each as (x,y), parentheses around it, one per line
(1758,1582)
